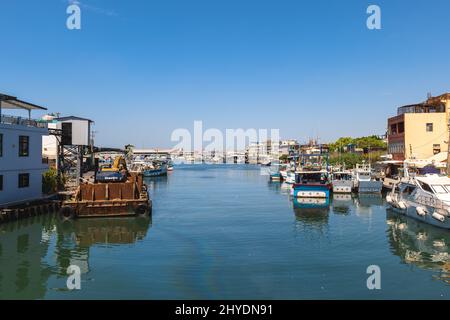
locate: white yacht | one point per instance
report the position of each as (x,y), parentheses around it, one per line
(363,180)
(424,198)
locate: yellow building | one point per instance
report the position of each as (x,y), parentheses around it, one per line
(420,130)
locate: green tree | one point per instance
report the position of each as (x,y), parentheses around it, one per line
(50,182)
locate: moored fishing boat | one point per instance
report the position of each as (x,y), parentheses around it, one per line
(152,168)
(313,180)
(311,184)
(290,177)
(363,180)
(424,198)
(170,165)
(277,171)
(342,182)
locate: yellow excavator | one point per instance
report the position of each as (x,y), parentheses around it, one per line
(115,172)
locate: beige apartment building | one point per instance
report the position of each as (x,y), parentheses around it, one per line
(420,130)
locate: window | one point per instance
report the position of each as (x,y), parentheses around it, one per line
(425,186)
(1,183)
(24,144)
(1,145)
(439,189)
(429,127)
(436,148)
(401,127)
(24,180)
(394,129)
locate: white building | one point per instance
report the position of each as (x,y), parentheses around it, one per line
(21,165)
(288,147)
(76,131)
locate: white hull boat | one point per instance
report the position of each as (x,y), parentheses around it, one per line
(342,182)
(424,198)
(364,182)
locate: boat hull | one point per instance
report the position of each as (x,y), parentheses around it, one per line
(342,186)
(155,173)
(412,212)
(370,186)
(311,190)
(275,177)
(311,203)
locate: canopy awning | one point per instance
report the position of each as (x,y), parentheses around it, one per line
(10,102)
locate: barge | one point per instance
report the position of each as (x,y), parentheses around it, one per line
(110,199)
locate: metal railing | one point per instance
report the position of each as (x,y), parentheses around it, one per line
(6,119)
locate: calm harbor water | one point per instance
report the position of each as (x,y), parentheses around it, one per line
(223,232)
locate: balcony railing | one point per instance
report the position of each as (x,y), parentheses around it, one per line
(420,108)
(5,119)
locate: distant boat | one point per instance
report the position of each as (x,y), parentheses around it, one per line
(275,176)
(161,170)
(277,171)
(150,168)
(169,165)
(290,177)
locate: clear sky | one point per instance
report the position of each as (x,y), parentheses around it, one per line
(141,69)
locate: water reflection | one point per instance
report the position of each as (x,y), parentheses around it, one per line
(420,244)
(27,263)
(311,211)
(342,203)
(369,200)
(154,183)
(23,245)
(74,238)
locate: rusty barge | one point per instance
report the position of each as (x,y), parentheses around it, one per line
(125,197)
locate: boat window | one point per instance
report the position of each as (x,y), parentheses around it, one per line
(425,187)
(410,189)
(438,188)
(447,186)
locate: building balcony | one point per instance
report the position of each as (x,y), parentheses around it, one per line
(13,120)
(422,108)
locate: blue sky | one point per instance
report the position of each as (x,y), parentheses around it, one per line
(141,69)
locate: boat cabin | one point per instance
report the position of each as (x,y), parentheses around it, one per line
(342,176)
(434,184)
(311,177)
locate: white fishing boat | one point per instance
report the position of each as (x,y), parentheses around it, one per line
(363,180)
(342,182)
(290,177)
(150,168)
(424,198)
